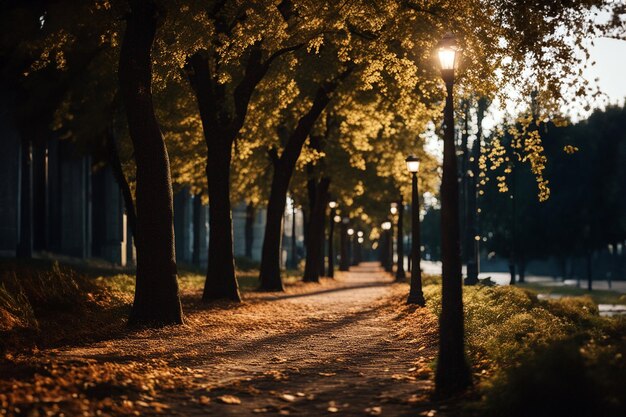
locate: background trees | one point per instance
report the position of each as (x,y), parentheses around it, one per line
(584,213)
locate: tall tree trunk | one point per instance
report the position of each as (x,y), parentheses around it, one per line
(452,374)
(156,300)
(294,239)
(283,170)
(197,228)
(400,274)
(321,263)
(249,232)
(344,262)
(25,243)
(316,233)
(219,137)
(589,256)
(221,125)
(270,256)
(522,269)
(220,280)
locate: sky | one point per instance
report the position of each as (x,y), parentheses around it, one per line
(610,57)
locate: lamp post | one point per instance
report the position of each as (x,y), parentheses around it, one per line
(344,262)
(385,250)
(452,373)
(331,230)
(352,247)
(398,208)
(358,255)
(416,296)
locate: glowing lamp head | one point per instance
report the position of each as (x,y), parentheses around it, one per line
(386,225)
(394,208)
(332,204)
(360,240)
(337,218)
(412,164)
(448,51)
(350,232)
(359,233)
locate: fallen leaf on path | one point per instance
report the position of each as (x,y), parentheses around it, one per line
(204,400)
(327,373)
(159,407)
(288,397)
(333,409)
(229,399)
(374,411)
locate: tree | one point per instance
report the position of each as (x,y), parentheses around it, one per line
(156,294)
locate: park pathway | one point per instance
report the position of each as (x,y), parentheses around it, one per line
(329,349)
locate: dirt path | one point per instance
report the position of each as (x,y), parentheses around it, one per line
(316,350)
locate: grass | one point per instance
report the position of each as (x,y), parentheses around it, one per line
(532,357)
(45,303)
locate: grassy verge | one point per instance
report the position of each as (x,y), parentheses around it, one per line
(44,303)
(534,357)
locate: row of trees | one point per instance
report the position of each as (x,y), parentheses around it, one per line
(253,100)
(586,209)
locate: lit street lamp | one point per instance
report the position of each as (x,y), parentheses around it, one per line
(416,296)
(344,263)
(452,373)
(333,219)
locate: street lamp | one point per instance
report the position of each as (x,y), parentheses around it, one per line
(334,218)
(452,374)
(416,296)
(353,247)
(344,263)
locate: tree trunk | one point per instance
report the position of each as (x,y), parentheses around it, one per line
(321,263)
(589,270)
(512,272)
(249,232)
(331,244)
(452,374)
(197,227)
(400,274)
(25,245)
(156,294)
(294,240)
(270,256)
(316,233)
(522,269)
(220,280)
(344,263)
(283,170)
(219,136)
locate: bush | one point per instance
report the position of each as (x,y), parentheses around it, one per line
(541,358)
